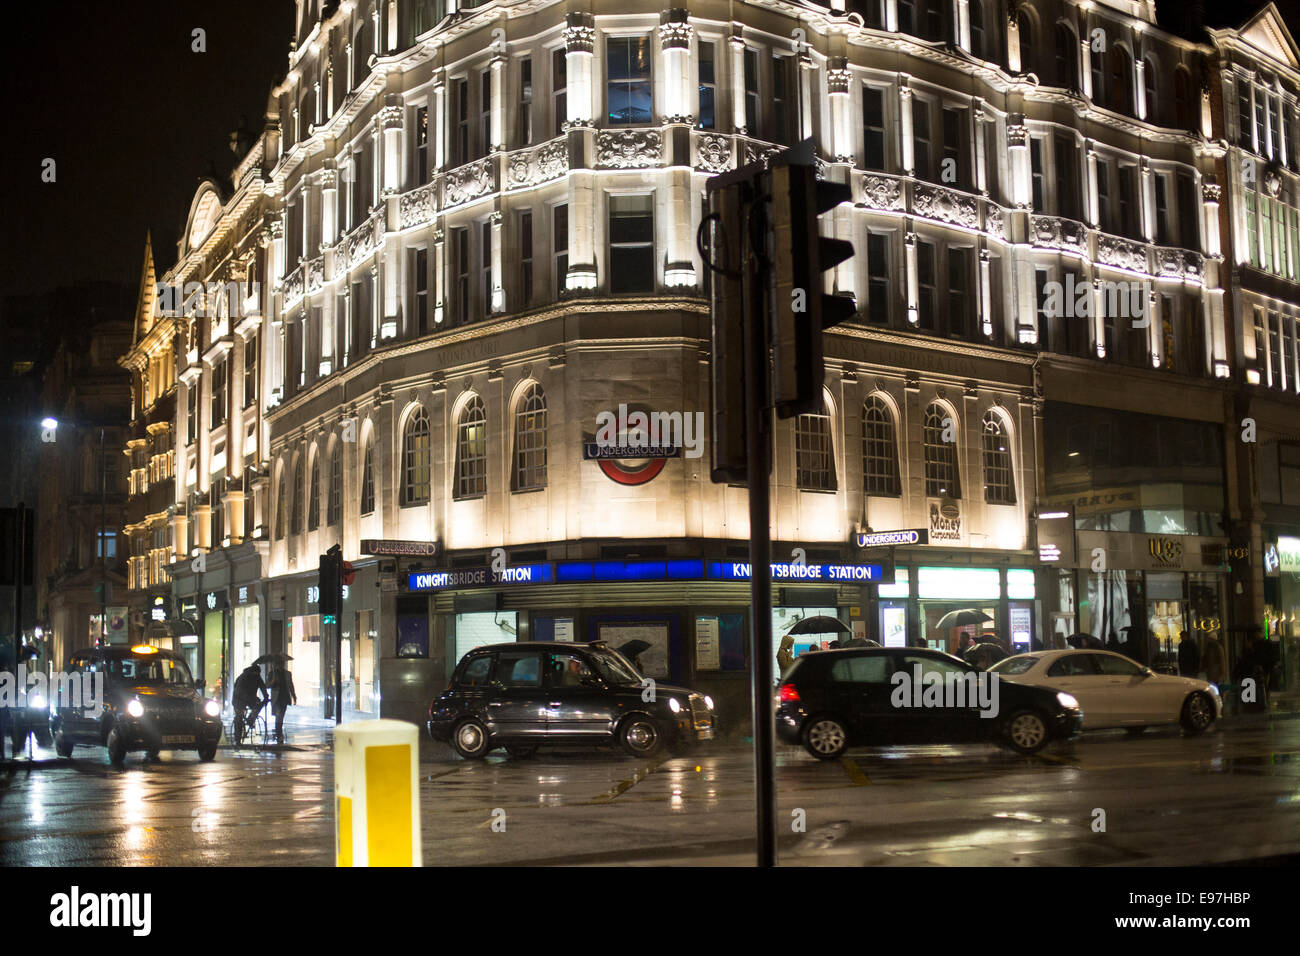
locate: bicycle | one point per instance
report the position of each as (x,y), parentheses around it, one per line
(250,725)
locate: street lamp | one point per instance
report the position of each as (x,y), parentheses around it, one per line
(50,426)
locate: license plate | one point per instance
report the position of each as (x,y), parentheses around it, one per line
(178,738)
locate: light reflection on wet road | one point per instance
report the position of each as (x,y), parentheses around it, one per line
(1167,799)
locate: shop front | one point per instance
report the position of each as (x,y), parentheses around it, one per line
(215,656)
(909,611)
(246,643)
(1282,606)
(306,642)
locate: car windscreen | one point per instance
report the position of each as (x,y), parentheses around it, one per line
(1015,665)
(614,667)
(150,670)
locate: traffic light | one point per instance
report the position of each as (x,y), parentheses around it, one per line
(727,357)
(331,585)
(800,309)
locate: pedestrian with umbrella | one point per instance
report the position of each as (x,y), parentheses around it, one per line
(961,618)
(633,650)
(282,690)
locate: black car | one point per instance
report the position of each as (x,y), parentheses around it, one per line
(832,700)
(520,696)
(150,702)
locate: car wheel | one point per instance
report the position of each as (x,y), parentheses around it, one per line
(1198,713)
(521,753)
(1134,731)
(1027,731)
(116,747)
(43,738)
(62,746)
(19,739)
(825,737)
(470,738)
(207,752)
(640,736)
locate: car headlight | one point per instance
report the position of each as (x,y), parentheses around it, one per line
(1068,701)
(135,708)
(1214,689)
(708,702)
(36,699)
(674,705)
(212,709)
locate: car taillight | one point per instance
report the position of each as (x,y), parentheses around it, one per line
(788,694)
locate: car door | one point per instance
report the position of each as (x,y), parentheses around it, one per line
(956,717)
(857,691)
(1077,674)
(75,700)
(516,705)
(1135,696)
(578,701)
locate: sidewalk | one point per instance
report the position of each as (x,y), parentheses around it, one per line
(303,730)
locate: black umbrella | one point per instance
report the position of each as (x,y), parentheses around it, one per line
(860,642)
(821,624)
(276,658)
(632,648)
(984,655)
(961,618)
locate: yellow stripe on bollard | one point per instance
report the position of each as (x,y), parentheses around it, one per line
(345,831)
(388,805)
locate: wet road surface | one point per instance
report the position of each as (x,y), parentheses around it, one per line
(1157,799)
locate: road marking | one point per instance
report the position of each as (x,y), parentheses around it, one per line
(855,773)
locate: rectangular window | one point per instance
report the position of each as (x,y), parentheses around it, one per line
(356,329)
(992,161)
(751,92)
(1274,129)
(460,275)
(560,246)
(1261,133)
(921,139)
(1243,113)
(1266,233)
(485,143)
(1189,226)
(343,328)
(873,128)
(878,277)
(220,373)
(422,146)
(955,170)
(525,258)
(631,243)
(785,107)
(485,269)
(925,285)
(1036,173)
(419,279)
(524,110)
(1129,217)
(1162,209)
(961,299)
(1104,219)
(106,544)
(559,89)
(708,85)
(814,454)
(627,61)
(1068,195)
(460,121)
(1277,367)
(1252,239)
(250,371)
(1041,278)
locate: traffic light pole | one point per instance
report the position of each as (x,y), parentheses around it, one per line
(758,446)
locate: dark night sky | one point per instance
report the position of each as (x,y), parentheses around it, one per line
(134,118)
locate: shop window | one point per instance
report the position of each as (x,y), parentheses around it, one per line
(941,475)
(471,450)
(814,452)
(530,441)
(879,449)
(415,459)
(999,480)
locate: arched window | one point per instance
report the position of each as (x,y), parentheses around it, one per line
(879,449)
(415,458)
(999,479)
(530,440)
(281,504)
(1025,29)
(368,477)
(1150,91)
(295,520)
(471,450)
(814,453)
(313,494)
(335,511)
(941,476)
(1067,58)
(1121,80)
(1182,99)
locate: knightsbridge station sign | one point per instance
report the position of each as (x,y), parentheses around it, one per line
(687,569)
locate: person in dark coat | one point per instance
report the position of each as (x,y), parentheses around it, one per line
(1189,655)
(282,695)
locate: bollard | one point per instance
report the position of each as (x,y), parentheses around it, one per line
(376,794)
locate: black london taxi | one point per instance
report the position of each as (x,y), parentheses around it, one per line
(879,696)
(149,702)
(525,695)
